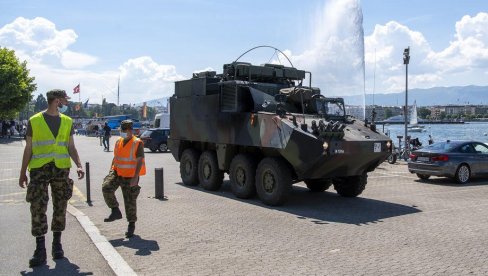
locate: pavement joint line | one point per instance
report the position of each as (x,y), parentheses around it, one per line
(113,258)
(8,179)
(12,194)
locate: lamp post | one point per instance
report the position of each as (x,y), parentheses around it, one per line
(406,59)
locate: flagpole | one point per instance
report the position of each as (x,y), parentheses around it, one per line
(79,94)
(118,91)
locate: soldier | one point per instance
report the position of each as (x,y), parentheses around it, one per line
(127,165)
(49,146)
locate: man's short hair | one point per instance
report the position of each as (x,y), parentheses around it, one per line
(56,94)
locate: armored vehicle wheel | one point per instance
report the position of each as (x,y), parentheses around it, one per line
(189,167)
(350,186)
(273,181)
(163,147)
(242,176)
(423,176)
(318,185)
(209,174)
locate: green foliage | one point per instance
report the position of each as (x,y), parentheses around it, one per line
(41,103)
(423,112)
(16,86)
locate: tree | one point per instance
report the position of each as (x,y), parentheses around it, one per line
(16,86)
(424,112)
(41,103)
(388,113)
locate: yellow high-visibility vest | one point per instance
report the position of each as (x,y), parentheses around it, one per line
(125,160)
(47,148)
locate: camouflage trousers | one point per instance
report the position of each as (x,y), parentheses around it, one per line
(37,195)
(111,183)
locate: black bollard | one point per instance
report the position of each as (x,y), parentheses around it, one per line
(159,183)
(87,176)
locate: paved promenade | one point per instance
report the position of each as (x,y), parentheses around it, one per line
(398,226)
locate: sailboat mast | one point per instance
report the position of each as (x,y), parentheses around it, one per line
(118,91)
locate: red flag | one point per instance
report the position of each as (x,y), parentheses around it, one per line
(76,89)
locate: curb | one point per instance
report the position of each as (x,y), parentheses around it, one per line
(113,258)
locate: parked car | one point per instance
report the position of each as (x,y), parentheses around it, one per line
(460,160)
(156,139)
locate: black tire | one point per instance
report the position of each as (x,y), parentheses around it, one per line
(350,186)
(392,158)
(189,167)
(209,174)
(273,181)
(423,176)
(463,174)
(163,147)
(242,176)
(318,185)
(153,150)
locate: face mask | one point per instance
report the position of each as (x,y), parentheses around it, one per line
(123,135)
(63,108)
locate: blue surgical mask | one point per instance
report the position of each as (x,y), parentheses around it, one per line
(63,108)
(123,135)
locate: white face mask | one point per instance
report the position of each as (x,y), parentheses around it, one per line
(63,108)
(123,135)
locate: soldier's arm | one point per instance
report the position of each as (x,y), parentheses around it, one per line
(73,153)
(25,161)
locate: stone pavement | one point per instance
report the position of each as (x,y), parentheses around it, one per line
(398,226)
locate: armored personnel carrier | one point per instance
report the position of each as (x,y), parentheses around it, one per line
(267,130)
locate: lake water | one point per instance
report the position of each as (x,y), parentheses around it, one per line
(467,131)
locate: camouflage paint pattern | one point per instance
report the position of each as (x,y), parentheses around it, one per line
(38,197)
(111,183)
(201,119)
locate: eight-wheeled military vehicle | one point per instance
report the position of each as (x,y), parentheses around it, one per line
(267,130)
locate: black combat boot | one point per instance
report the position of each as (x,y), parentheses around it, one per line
(115,215)
(39,257)
(130,230)
(57,250)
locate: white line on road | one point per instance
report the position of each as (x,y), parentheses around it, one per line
(113,258)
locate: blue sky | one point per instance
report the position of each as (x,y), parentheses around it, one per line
(151,44)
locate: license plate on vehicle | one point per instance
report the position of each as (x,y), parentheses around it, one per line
(377,147)
(423,159)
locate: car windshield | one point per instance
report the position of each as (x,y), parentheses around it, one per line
(146,133)
(330,107)
(443,146)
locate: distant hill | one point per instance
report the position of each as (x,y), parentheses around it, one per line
(427,97)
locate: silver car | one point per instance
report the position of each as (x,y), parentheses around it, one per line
(460,160)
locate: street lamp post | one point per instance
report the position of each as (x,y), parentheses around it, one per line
(406,59)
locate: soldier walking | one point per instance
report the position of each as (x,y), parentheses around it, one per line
(49,146)
(127,165)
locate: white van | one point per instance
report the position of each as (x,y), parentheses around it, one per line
(161,120)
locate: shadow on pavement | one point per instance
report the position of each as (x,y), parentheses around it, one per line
(326,207)
(447,182)
(62,267)
(5,140)
(144,247)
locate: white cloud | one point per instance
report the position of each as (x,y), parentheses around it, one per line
(143,79)
(39,39)
(462,62)
(73,60)
(54,65)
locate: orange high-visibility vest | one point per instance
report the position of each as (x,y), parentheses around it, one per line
(125,160)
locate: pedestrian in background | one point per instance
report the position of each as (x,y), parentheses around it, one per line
(106,136)
(49,146)
(127,165)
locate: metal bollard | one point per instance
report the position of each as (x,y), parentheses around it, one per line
(159,183)
(87,176)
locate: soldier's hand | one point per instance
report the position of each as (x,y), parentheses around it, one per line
(134,181)
(23,181)
(80,173)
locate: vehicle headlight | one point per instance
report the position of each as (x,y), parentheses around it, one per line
(388,145)
(325,145)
